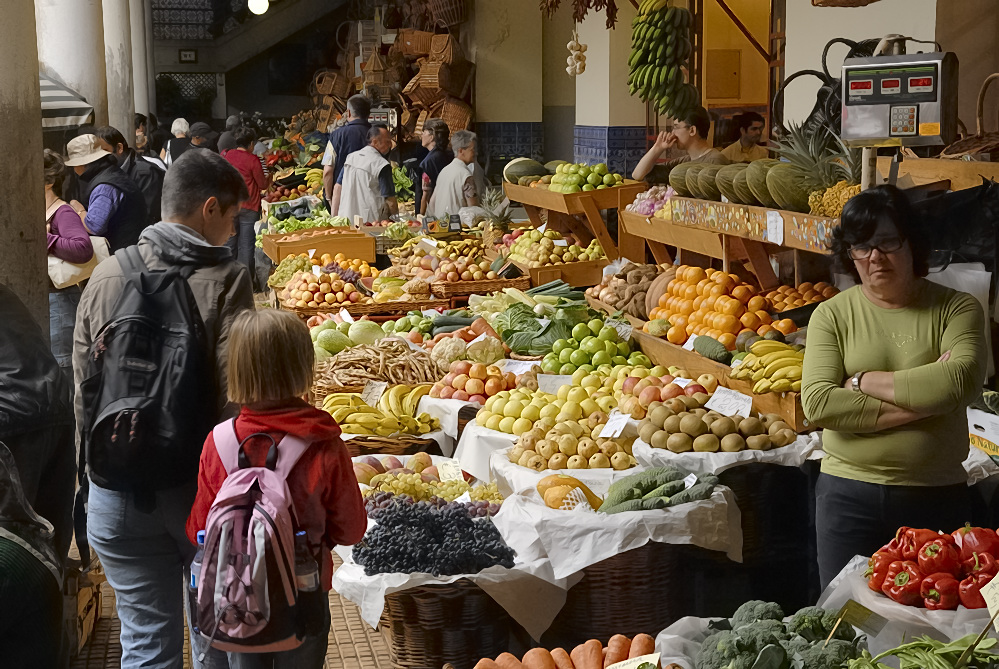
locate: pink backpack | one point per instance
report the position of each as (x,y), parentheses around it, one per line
(247,592)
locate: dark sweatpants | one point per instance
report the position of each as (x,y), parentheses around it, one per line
(857,518)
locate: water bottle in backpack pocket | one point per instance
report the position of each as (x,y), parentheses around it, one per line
(248,598)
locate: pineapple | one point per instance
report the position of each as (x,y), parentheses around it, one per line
(827,167)
(498,208)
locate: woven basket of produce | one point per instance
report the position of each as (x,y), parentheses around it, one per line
(320,389)
(448,289)
(387,308)
(414,43)
(383,244)
(526,358)
(400,444)
(455,113)
(434,625)
(389,359)
(447,13)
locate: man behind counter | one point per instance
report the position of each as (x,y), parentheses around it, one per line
(366,186)
(747,148)
(690,134)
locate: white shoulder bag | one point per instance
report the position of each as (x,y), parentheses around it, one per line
(63,273)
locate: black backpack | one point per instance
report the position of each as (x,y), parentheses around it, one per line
(149,393)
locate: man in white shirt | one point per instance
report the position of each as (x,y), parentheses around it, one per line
(460,184)
(366,187)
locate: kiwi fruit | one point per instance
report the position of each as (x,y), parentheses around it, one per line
(724,427)
(676,405)
(689,402)
(701,398)
(680,442)
(646,429)
(708,418)
(707,443)
(659,415)
(776,427)
(700,413)
(759,442)
(693,425)
(653,406)
(659,439)
(733,443)
(769,419)
(750,427)
(672,424)
(783,438)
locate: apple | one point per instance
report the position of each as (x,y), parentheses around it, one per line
(649,395)
(708,381)
(640,386)
(667,379)
(629,384)
(670,391)
(694,388)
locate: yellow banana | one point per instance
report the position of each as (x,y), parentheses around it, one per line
(778,364)
(771,358)
(796,386)
(791,373)
(395,399)
(766,346)
(781,386)
(758,375)
(412,401)
(763,386)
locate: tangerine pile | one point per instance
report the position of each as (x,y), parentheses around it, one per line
(786,297)
(718,304)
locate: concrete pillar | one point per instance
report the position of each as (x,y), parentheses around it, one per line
(140,77)
(22,255)
(71,48)
(150,59)
(118,57)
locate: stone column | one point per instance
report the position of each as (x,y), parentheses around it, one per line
(22,225)
(140,77)
(150,59)
(71,48)
(118,57)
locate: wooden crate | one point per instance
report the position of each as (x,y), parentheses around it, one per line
(663,231)
(786,405)
(81,606)
(354,245)
(576,274)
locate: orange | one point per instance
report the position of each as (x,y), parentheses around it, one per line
(690,292)
(727,340)
(679,321)
(685,307)
(764,317)
(763,330)
(664,299)
(694,274)
(676,335)
(724,279)
(804,287)
(728,324)
(756,302)
(709,302)
(750,320)
(829,292)
(785,326)
(717,290)
(702,286)
(779,307)
(697,302)
(821,286)
(732,308)
(710,271)
(742,293)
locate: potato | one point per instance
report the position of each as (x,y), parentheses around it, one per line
(706,443)
(733,443)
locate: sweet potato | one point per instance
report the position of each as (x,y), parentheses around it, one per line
(642,644)
(588,655)
(617,649)
(562,659)
(508,661)
(486,663)
(539,658)
(480,326)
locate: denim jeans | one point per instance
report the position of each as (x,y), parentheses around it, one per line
(62,320)
(243,243)
(144,557)
(310,655)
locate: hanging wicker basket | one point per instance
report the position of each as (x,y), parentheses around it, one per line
(445,49)
(447,13)
(981,141)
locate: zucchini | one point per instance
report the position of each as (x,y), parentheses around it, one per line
(627,505)
(666,489)
(461,321)
(444,329)
(654,503)
(620,495)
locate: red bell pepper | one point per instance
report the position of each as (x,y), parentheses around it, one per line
(910,540)
(902,583)
(877,569)
(892,548)
(940,591)
(973,540)
(939,556)
(980,563)
(970,590)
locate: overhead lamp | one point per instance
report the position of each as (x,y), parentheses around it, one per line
(258,6)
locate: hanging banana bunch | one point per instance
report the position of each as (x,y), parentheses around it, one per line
(660,49)
(576,62)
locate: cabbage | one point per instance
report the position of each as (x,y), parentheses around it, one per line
(365,332)
(332,340)
(321,353)
(322,327)
(487,351)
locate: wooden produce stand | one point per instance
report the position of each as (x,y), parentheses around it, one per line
(579,213)
(354,245)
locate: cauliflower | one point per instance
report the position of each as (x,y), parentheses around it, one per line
(755,610)
(447,351)
(487,351)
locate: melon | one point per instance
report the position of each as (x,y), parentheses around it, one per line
(678,179)
(725,181)
(741,187)
(706,182)
(552,165)
(789,187)
(522,167)
(756,177)
(691,178)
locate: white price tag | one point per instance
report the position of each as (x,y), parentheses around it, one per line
(775,228)
(427,245)
(729,402)
(464,498)
(347,437)
(683,383)
(990,593)
(689,344)
(550,383)
(624,330)
(560,242)
(725,199)
(689,480)
(372,392)
(616,422)
(345,315)
(518,367)
(636,662)
(312,252)
(317,270)
(479,338)
(449,470)
(431,313)
(544,226)
(545,322)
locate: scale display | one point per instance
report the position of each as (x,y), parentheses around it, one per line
(907,100)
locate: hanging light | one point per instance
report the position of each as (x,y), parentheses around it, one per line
(258,6)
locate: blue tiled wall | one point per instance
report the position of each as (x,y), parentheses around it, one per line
(621,147)
(512,140)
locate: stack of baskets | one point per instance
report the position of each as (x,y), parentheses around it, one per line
(414,43)
(447,13)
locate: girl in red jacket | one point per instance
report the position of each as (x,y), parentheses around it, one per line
(270,370)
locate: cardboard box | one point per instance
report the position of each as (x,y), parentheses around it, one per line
(983,429)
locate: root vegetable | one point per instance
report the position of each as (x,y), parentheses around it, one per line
(642,644)
(617,649)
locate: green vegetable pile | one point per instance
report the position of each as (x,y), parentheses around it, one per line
(403,184)
(927,653)
(760,638)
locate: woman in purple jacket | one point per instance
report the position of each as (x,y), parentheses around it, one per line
(67,240)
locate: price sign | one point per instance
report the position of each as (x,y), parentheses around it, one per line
(312,252)
(550,383)
(683,383)
(431,313)
(544,226)
(616,422)
(689,345)
(463,497)
(775,228)
(479,338)
(518,367)
(317,270)
(689,480)
(450,470)
(623,329)
(373,391)
(345,315)
(560,242)
(637,662)
(990,593)
(428,245)
(866,620)
(545,322)
(729,402)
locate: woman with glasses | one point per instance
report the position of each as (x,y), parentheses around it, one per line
(890,368)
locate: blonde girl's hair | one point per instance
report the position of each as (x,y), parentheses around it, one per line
(271,357)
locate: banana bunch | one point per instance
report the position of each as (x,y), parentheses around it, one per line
(772,366)
(314,178)
(395,413)
(660,47)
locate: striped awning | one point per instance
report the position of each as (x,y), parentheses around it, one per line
(62,108)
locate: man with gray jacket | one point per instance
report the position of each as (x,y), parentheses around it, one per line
(144,550)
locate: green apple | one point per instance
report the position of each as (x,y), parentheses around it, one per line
(605,370)
(567,368)
(607,333)
(623,348)
(596,325)
(559,345)
(608,179)
(580,331)
(618,178)
(595,179)
(601,358)
(583,172)
(619,360)
(600,168)
(586,188)
(611,348)
(639,372)
(579,357)
(606,404)
(592,345)
(601,186)
(572,189)
(587,367)
(578,376)
(639,359)
(571,169)
(659,370)
(550,367)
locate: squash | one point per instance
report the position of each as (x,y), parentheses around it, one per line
(558,480)
(553,165)
(756,179)
(522,167)
(678,179)
(690,177)
(589,655)
(617,649)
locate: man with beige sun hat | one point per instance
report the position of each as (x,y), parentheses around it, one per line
(116,208)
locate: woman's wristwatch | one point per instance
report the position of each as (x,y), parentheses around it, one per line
(855,381)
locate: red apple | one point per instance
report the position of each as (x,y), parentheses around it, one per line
(669,392)
(629,385)
(477,398)
(694,388)
(667,379)
(648,396)
(460,395)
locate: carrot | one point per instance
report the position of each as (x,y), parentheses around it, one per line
(539,658)
(617,649)
(508,661)
(486,663)
(588,655)
(562,660)
(642,644)
(480,326)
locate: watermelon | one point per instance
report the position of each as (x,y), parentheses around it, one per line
(789,187)
(522,167)
(691,178)
(725,180)
(552,165)
(678,179)
(756,178)
(706,182)
(741,187)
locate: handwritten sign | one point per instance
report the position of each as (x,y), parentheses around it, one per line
(775,228)
(345,315)
(729,402)
(450,470)
(624,330)
(550,383)
(373,391)
(689,344)
(637,662)
(518,367)
(616,422)
(866,620)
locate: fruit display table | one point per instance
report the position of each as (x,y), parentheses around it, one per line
(579,213)
(351,243)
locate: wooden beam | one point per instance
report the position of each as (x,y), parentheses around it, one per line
(758,260)
(745,30)
(599,229)
(660,252)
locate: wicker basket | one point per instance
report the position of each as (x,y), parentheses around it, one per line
(320,390)
(455,113)
(434,625)
(446,77)
(400,444)
(630,593)
(526,358)
(383,244)
(414,43)
(422,95)
(393,307)
(445,49)
(447,289)
(447,13)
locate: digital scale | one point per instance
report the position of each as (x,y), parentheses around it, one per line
(900,100)
(387,116)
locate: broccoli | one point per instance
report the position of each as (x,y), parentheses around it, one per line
(755,636)
(722,651)
(815,624)
(755,610)
(831,656)
(796,644)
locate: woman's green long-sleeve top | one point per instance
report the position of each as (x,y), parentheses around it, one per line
(849,334)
